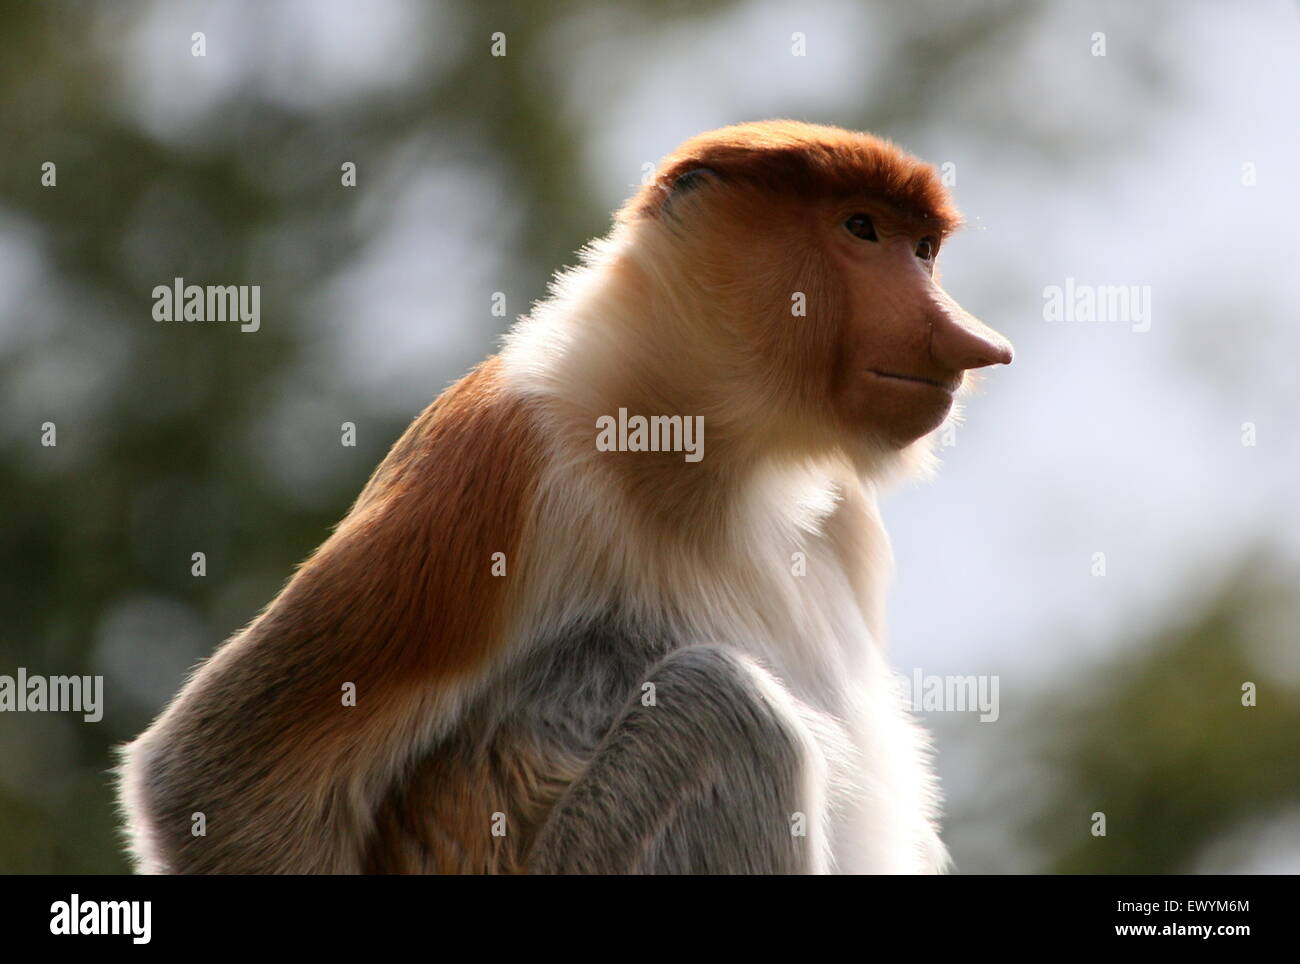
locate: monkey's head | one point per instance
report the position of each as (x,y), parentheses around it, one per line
(806,257)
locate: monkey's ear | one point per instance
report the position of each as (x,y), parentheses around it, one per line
(684,184)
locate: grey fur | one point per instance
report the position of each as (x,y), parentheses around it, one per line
(214,751)
(705,781)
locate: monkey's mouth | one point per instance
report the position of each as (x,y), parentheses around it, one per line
(949,386)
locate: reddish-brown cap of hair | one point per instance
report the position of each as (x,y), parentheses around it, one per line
(808,160)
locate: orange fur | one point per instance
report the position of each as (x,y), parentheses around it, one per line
(811,162)
(404,587)
(400,600)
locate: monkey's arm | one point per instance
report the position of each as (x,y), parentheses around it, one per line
(721,775)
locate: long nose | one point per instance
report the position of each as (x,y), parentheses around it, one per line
(959,341)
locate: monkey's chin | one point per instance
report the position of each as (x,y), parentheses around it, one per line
(909,412)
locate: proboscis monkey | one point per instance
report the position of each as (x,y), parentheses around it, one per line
(613,602)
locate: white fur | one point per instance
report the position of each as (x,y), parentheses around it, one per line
(819,634)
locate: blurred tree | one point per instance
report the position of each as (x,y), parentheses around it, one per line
(1160,742)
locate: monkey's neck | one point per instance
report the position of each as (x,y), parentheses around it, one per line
(703,501)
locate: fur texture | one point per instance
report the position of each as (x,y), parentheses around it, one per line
(750,585)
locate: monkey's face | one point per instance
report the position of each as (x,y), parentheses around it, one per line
(878,352)
(905,345)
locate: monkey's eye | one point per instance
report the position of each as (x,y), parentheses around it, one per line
(860,226)
(925,249)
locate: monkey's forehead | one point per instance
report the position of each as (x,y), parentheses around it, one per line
(810,160)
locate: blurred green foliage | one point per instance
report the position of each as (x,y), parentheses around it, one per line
(1164,740)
